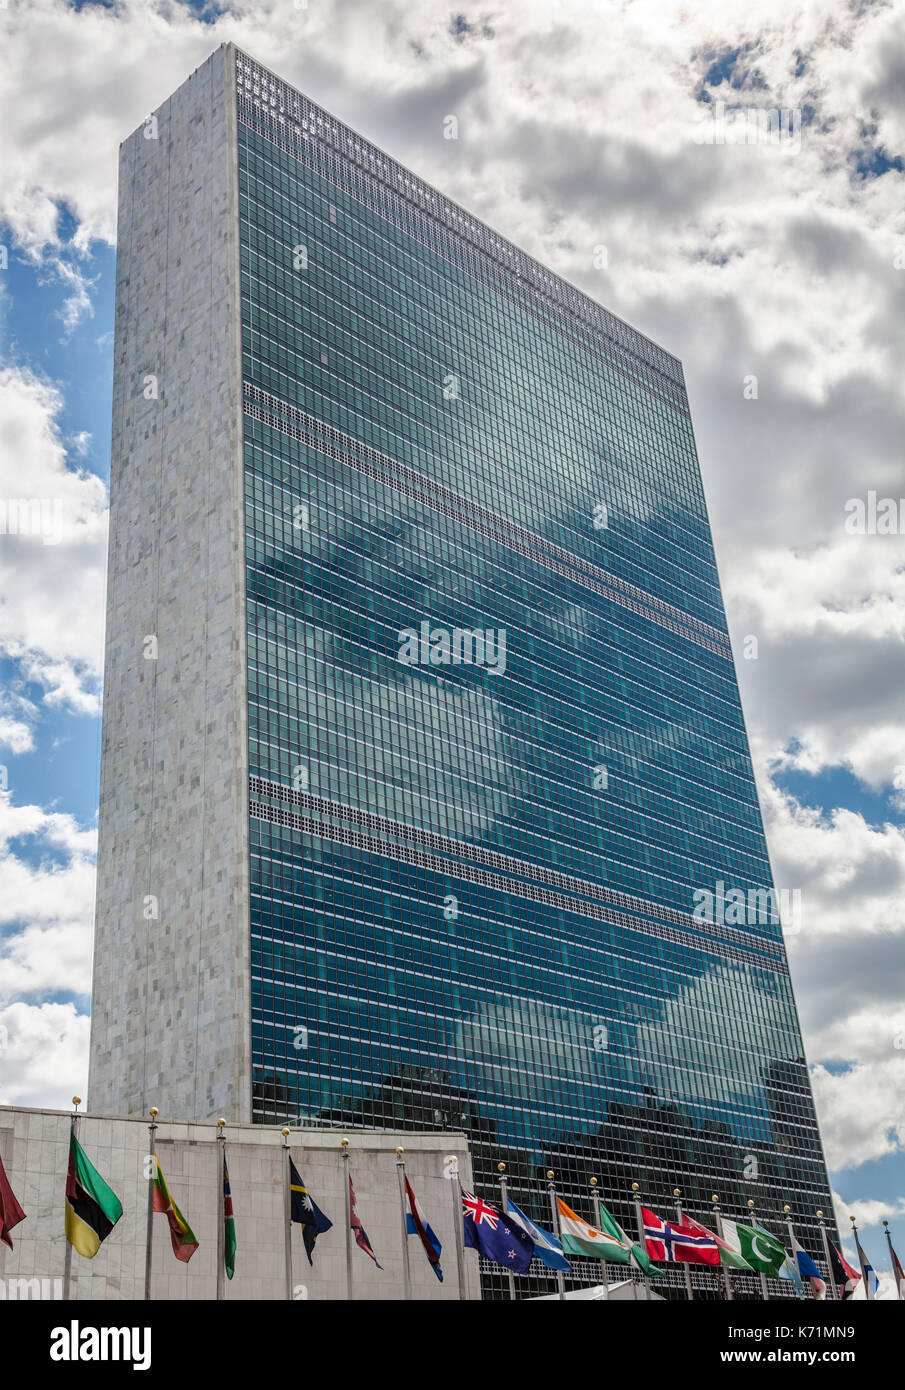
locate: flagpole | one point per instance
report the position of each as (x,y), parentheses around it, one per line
(595,1198)
(642,1238)
(406,1265)
(794,1253)
(287,1213)
(677,1192)
(892,1261)
(826,1253)
(149,1239)
(348,1199)
(67,1258)
(861,1260)
(730,1293)
(221,1209)
(763,1278)
(554,1211)
(455,1188)
(501,1169)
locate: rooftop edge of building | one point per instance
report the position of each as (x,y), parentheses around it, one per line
(406,184)
(315,1135)
(424,197)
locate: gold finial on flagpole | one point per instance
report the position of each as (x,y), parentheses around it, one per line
(344,1143)
(550,1174)
(635,1187)
(593,1182)
(819,1214)
(787,1208)
(501,1167)
(750,1201)
(76,1101)
(677,1192)
(153,1112)
(285,1131)
(400,1151)
(714,1198)
(221,1123)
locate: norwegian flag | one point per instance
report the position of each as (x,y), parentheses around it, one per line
(670,1242)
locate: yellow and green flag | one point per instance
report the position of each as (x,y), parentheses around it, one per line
(92,1208)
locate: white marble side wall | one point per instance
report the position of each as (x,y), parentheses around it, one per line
(170,1012)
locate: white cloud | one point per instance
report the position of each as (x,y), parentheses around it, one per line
(47,907)
(77,304)
(18,715)
(15,735)
(866,1212)
(861,1116)
(52,548)
(897,799)
(45,1058)
(851,873)
(850,951)
(46,918)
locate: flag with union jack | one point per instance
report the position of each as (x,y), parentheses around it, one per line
(489,1231)
(670,1241)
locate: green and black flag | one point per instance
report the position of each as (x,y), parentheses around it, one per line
(92,1208)
(303,1210)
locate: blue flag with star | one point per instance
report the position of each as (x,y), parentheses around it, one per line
(306,1212)
(489,1231)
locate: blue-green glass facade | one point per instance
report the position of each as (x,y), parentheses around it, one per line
(472,884)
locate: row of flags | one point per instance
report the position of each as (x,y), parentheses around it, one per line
(93,1209)
(510,1239)
(503,1234)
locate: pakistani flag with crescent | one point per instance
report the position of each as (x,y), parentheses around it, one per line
(757,1248)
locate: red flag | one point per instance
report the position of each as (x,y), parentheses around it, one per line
(899,1272)
(10,1211)
(361,1235)
(847,1279)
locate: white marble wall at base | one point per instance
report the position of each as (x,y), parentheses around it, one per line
(34,1148)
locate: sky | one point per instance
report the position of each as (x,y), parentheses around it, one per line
(594,134)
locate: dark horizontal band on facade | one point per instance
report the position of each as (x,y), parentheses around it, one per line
(722,939)
(418,487)
(291,121)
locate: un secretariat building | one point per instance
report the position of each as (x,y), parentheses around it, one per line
(422,730)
